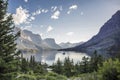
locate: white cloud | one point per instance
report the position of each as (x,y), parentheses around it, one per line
(55,8)
(32,18)
(26,0)
(37,12)
(56,15)
(70,33)
(71,8)
(50,28)
(21,16)
(44,10)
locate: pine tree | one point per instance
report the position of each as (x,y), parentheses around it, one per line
(32,62)
(68,67)
(25,66)
(96,60)
(84,64)
(58,68)
(77,68)
(39,68)
(9,55)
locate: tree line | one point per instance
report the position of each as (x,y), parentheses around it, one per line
(15,67)
(104,69)
(87,65)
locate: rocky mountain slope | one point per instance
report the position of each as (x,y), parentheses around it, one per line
(50,43)
(33,42)
(106,41)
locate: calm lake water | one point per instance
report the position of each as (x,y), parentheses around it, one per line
(51,57)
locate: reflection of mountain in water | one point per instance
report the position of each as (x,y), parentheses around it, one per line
(72,55)
(50,57)
(44,56)
(38,56)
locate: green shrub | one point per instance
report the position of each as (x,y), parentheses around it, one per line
(50,78)
(110,70)
(55,76)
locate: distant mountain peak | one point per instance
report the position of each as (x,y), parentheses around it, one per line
(68,44)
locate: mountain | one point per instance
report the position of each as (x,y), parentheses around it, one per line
(106,41)
(35,38)
(68,44)
(50,43)
(29,41)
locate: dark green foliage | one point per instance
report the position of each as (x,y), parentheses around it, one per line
(111,74)
(9,55)
(110,70)
(25,66)
(68,67)
(58,67)
(32,65)
(95,61)
(87,65)
(84,65)
(32,62)
(54,76)
(40,68)
(77,68)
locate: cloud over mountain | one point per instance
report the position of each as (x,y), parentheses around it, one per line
(21,15)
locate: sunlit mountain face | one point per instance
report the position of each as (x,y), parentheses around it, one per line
(64,20)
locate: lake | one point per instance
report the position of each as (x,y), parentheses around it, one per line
(51,57)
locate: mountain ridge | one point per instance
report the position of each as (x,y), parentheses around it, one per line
(30,42)
(68,44)
(105,40)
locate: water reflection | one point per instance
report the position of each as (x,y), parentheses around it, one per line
(52,56)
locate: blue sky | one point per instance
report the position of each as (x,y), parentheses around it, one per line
(63,20)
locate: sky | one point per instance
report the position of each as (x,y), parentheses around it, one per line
(64,20)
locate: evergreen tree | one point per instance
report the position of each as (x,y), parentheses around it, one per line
(9,58)
(85,65)
(110,70)
(32,62)
(39,68)
(25,66)
(77,68)
(57,67)
(96,60)
(68,67)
